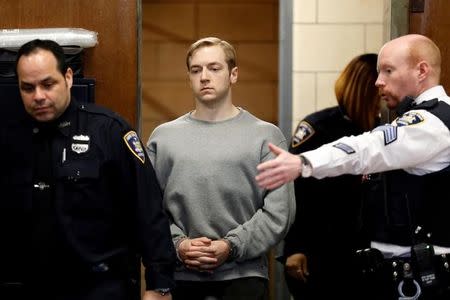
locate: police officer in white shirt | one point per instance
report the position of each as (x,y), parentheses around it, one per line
(418,142)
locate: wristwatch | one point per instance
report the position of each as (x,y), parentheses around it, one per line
(163,291)
(306,170)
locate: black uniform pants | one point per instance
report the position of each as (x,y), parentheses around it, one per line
(68,287)
(248,288)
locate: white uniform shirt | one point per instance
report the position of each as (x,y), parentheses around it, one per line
(417,142)
(420,147)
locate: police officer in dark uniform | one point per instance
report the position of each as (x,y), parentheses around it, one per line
(320,245)
(80,204)
(413,252)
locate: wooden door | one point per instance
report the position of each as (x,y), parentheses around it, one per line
(113,62)
(432,18)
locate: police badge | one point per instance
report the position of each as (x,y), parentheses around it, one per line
(80,143)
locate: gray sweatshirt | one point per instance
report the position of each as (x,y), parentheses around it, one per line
(206,171)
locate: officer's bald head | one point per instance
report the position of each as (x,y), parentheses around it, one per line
(417,49)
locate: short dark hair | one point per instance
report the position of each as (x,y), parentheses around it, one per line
(48,45)
(228,49)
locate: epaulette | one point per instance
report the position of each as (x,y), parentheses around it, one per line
(326,114)
(427,104)
(99,110)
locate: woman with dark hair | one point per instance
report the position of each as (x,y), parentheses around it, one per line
(320,246)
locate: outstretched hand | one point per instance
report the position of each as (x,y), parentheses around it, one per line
(285,167)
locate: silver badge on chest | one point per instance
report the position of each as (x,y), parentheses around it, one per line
(80,143)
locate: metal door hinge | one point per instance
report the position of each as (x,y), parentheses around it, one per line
(417,6)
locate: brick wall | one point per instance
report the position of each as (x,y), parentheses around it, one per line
(327,34)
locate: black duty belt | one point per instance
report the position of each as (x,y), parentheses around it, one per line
(403,273)
(401,265)
(371,261)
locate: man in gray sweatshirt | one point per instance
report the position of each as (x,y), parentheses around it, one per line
(222,223)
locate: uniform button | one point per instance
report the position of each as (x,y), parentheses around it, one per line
(41,186)
(101,267)
(35,130)
(406,267)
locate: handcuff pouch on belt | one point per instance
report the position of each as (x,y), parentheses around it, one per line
(422,258)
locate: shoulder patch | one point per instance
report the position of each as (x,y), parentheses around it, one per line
(134,144)
(344,147)
(409,118)
(303,132)
(389,133)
